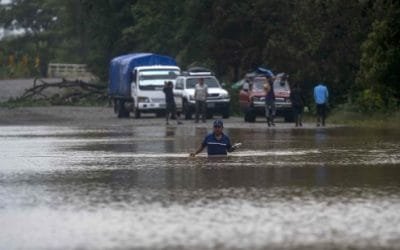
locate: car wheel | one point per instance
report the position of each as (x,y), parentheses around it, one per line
(186,110)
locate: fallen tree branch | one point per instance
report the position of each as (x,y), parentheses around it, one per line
(64,92)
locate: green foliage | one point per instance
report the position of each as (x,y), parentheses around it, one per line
(370,101)
(312,40)
(18,102)
(347,115)
(380,61)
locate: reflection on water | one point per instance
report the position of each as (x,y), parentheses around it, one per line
(137,188)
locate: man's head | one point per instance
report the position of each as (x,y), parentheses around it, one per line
(218,126)
(201,81)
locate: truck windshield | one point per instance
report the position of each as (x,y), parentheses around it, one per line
(258,84)
(154,79)
(211,82)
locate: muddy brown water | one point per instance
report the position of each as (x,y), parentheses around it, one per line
(134,187)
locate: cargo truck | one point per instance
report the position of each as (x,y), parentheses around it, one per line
(136,82)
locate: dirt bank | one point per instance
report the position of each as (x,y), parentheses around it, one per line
(105,117)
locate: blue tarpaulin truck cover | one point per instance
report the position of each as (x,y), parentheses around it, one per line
(121,67)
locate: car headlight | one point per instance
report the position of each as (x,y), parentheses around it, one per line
(143,99)
(224,96)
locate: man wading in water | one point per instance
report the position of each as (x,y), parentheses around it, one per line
(217,142)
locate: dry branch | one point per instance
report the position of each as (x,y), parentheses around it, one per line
(64,91)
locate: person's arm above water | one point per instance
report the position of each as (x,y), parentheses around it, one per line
(229,145)
(198,150)
(234,147)
(230,148)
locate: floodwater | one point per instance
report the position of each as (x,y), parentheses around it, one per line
(136,188)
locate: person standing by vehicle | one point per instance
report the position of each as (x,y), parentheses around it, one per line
(297,99)
(321,95)
(200,96)
(217,142)
(170,102)
(270,109)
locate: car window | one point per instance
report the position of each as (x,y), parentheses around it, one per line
(179,84)
(258,84)
(154,79)
(211,82)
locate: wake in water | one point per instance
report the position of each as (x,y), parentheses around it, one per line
(246,153)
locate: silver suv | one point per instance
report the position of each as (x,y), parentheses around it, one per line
(218,100)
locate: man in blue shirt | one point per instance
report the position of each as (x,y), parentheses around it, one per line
(321,100)
(217,142)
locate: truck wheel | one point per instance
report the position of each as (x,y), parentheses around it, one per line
(186,110)
(137,113)
(116,106)
(122,112)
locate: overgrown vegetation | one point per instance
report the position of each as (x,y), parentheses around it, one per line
(346,115)
(353,46)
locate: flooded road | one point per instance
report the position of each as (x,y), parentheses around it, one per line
(134,187)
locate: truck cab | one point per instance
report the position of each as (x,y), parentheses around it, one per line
(147,88)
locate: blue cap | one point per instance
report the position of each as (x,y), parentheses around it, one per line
(218,123)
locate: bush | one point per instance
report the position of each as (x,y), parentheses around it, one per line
(370,101)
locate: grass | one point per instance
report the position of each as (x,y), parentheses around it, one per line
(17,103)
(376,119)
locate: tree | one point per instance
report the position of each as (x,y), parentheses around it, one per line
(105,22)
(378,79)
